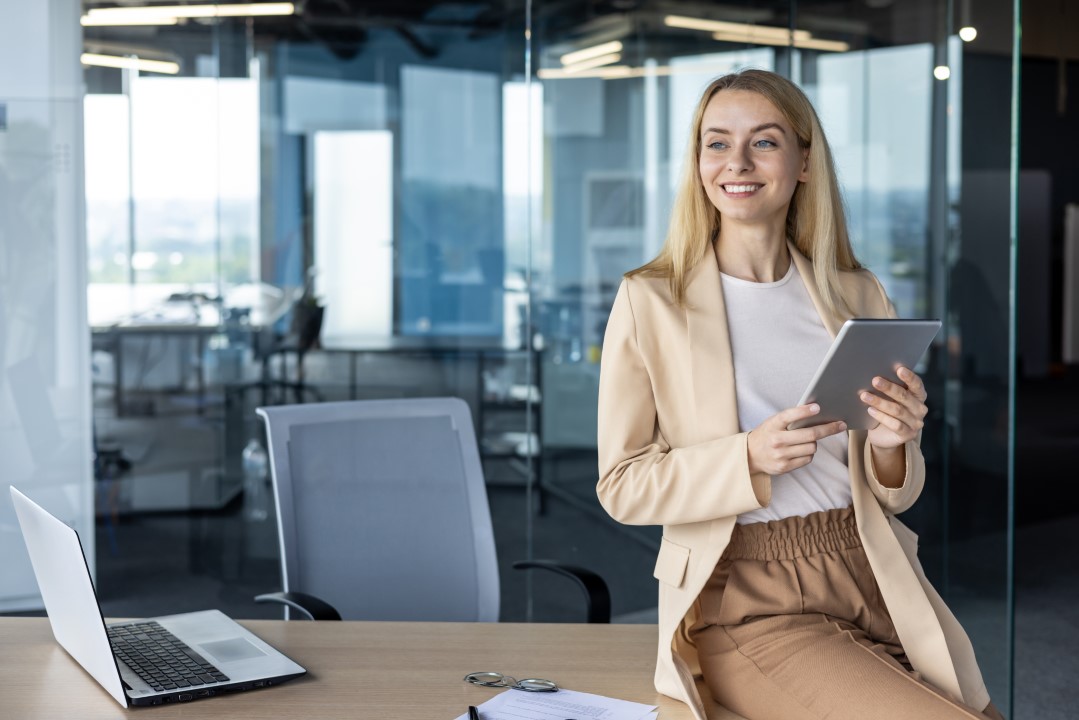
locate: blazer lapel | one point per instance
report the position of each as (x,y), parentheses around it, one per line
(710,352)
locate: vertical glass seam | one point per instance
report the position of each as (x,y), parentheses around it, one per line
(1013,247)
(531,371)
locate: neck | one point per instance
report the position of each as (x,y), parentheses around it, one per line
(751,253)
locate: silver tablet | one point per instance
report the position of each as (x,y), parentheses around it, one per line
(862,350)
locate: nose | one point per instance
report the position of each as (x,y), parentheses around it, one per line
(739,162)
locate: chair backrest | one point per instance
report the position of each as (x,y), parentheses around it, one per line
(382,508)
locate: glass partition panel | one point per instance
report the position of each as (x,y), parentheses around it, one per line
(173,241)
(902,100)
(44,431)
(444,202)
(342,201)
(399,187)
(980,287)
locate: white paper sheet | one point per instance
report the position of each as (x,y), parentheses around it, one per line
(561,705)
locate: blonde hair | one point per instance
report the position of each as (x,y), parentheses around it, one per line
(816,222)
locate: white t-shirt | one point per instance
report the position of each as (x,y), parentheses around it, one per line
(777,342)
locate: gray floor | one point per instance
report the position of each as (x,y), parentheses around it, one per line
(1047,621)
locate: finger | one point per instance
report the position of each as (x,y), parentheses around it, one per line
(914,383)
(833,428)
(910,400)
(894,424)
(892,409)
(799,451)
(814,433)
(911,397)
(894,390)
(785,417)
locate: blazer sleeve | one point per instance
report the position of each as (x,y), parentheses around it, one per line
(896,500)
(642,479)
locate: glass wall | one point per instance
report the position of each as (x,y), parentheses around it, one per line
(441,200)
(299,209)
(902,99)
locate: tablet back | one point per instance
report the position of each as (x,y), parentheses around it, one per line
(862,350)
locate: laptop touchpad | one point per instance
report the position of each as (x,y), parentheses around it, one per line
(232,650)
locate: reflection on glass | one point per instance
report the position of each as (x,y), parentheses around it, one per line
(195,173)
(452,254)
(875,106)
(353,191)
(174,164)
(44,378)
(522,195)
(108,186)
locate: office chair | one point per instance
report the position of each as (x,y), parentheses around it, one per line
(302,337)
(383,514)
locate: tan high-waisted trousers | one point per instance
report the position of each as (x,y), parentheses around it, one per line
(794,627)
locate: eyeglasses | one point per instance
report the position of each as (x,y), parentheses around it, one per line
(493,679)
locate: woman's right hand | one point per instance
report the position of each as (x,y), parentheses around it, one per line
(774,450)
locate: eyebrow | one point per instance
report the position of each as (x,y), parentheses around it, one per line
(765,126)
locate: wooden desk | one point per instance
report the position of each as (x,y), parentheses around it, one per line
(375,671)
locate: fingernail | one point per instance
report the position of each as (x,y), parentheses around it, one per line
(865,396)
(878,382)
(871,411)
(814,407)
(842,426)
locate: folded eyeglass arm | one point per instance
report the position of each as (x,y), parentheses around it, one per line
(308,605)
(597,596)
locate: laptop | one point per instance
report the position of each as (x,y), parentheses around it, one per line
(143,662)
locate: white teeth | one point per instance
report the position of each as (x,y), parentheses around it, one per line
(740,188)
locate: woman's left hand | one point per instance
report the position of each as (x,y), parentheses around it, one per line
(901,414)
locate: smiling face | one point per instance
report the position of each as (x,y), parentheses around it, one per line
(751,161)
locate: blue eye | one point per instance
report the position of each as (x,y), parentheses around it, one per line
(765,144)
(717,145)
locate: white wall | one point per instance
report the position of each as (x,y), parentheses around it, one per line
(45,420)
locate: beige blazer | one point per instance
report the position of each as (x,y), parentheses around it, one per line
(671,453)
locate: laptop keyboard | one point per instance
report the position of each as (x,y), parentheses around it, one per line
(160,658)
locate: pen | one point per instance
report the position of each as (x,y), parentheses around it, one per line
(473,713)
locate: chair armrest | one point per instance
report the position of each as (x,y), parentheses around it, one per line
(597,596)
(309,605)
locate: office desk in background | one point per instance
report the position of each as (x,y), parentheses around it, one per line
(376,671)
(170,313)
(111,338)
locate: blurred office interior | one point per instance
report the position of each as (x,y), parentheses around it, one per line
(209,208)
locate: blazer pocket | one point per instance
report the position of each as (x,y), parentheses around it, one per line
(671,563)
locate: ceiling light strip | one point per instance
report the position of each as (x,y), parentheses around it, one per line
(88,21)
(608,72)
(806,44)
(193,11)
(130,63)
(817,44)
(592,63)
(720,26)
(588,53)
(749,39)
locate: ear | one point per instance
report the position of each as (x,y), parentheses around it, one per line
(804,175)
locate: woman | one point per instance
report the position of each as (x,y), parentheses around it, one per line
(785,579)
